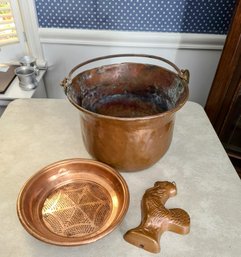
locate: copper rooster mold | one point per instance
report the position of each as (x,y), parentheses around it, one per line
(156,218)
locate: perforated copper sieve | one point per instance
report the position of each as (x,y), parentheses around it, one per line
(73,202)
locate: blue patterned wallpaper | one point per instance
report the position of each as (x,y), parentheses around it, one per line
(190,16)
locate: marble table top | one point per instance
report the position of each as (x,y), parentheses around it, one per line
(37,132)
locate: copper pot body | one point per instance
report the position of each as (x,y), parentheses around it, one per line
(127,111)
(127,145)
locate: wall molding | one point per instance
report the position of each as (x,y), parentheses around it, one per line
(131,39)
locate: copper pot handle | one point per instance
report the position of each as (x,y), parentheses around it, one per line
(183,74)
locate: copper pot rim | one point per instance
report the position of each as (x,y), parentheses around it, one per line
(35,233)
(182,74)
(143,118)
(129,119)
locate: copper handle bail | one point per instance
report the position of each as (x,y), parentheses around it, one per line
(65,84)
(183,74)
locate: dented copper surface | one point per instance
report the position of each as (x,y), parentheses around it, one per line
(127,110)
(156,218)
(73,202)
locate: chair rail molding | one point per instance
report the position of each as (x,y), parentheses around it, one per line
(132,39)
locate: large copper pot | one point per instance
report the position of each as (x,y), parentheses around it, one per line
(127,109)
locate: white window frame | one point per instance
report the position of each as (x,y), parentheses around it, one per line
(30,21)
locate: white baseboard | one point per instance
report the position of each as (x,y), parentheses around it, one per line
(131,39)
